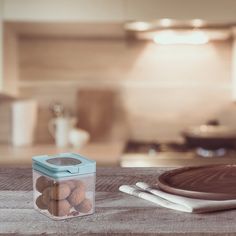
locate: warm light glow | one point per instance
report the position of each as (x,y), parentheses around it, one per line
(197,22)
(166,22)
(174,37)
(139,26)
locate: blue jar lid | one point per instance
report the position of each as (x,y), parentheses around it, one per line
(63,165)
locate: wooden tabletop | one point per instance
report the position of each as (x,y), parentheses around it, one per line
(116,212)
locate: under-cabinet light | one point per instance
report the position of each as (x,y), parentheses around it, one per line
(165,22)
(174,37)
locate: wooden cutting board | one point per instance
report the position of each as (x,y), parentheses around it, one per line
(215,182)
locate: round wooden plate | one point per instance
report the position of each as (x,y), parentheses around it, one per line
(215,182)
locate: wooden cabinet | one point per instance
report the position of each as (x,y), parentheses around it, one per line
(1,45)
(118,10)
(95,11)
(45,11)
(210,10)
(64,10)
(8,65)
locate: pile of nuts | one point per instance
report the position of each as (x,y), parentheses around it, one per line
(60,197)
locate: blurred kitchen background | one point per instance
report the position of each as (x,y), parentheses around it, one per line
(124,82)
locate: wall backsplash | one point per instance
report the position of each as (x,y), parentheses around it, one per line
(146,91)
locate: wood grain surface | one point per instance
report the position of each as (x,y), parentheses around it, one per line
(116,213)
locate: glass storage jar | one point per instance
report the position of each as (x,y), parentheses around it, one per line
(64,185)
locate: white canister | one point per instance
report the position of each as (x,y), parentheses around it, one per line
(78,137)
(24,120)
(59,128)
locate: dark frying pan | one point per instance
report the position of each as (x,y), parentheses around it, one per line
(210,136)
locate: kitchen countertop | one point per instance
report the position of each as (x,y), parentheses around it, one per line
(116,212)
(174,159)
(108,154)
(104,153)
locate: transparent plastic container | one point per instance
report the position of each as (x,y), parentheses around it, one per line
(64,185)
